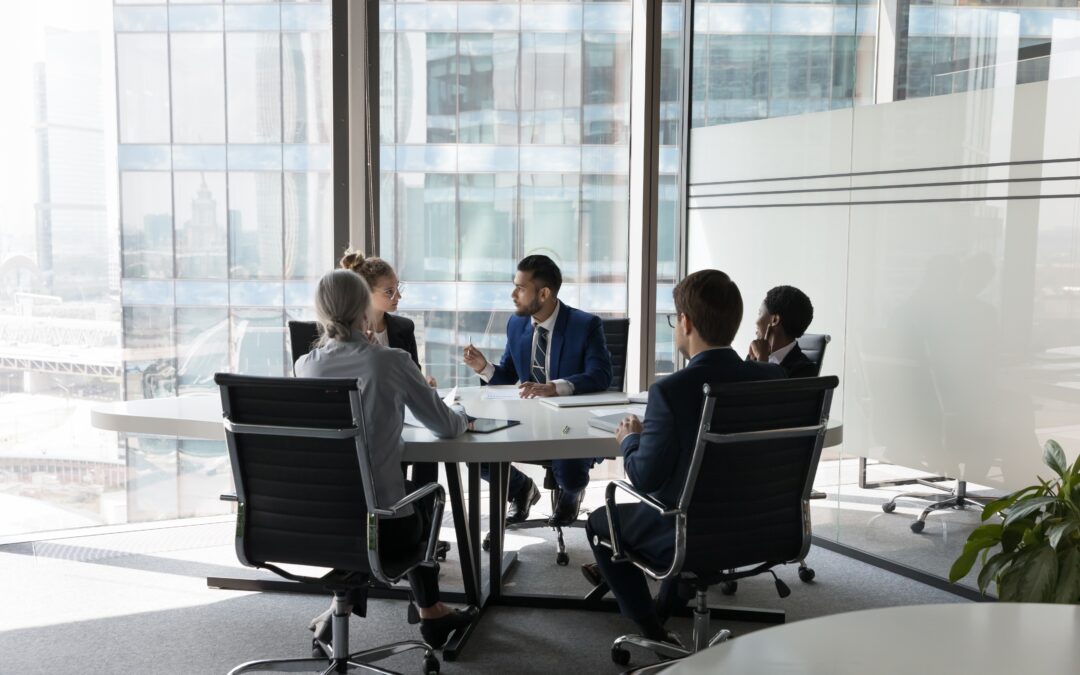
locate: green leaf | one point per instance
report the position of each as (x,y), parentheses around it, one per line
(1014,533)
(1027,506)
(963,564)
(1055,533)
(1039,576)
(990,534)
(1068,581)
(1054,457)
(1009,583)
(1005,502)
(990,570)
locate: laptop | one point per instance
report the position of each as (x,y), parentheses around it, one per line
(606,398)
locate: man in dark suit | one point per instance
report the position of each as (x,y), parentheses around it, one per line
(552,349)
(657,452)
(784,316)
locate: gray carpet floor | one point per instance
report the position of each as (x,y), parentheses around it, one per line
(137,602)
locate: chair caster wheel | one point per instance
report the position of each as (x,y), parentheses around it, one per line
(888,507)
(729,587)
(431,665)
(918,526)
(486,544)
(562,559)
(620,656)
(806,574)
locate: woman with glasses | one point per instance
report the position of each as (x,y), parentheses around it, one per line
(384,328)
(388,383)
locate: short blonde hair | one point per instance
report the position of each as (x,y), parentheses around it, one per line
(341,298)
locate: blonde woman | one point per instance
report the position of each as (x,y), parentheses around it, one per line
(389,381)
(385,328)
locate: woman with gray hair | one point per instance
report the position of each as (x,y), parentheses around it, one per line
(388,381)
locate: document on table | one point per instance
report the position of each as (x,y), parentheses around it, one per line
(502,393)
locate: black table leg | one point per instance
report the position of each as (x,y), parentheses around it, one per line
(466,540)
(496,523)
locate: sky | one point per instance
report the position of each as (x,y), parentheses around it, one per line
(21,46)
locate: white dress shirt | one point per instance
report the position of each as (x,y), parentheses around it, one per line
(389,381)
(781,354)
(562,387)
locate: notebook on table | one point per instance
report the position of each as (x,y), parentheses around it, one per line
(606,398)
(606,422)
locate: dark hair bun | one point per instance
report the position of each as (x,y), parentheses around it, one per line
(352,259)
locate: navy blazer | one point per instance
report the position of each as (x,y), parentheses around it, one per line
(657,459)
(578,351)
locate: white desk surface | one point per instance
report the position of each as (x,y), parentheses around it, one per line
(200,417)
(988,638)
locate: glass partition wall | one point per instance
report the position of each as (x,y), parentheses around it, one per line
(914,167)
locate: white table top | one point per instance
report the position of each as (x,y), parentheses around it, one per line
(200,417)
(988,638)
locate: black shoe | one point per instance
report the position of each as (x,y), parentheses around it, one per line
(566,511)
(521,503)
(591,571)
(437,631)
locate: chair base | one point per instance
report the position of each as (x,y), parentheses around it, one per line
(951,498)
(665,650)
(337,658)
(562,558)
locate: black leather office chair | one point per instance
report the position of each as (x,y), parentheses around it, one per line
(304,485)
(302,337)
(813,346)
(758,446)
(617,336)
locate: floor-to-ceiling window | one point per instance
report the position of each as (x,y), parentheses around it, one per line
(167,210)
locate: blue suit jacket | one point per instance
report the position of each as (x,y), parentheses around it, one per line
(657,459)
(578,350)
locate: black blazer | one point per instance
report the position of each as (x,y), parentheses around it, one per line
(400,333)
(795,364)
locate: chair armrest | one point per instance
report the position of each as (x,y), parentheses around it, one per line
(230,497)
(613,515)
(394,509)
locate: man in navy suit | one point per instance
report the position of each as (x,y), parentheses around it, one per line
(552,349)
(657,453)
(784,316)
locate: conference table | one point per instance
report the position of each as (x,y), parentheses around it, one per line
(988,638)
(545,433)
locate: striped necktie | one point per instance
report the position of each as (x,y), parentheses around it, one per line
(538,372)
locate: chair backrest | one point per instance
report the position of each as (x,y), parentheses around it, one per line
(302,337)
(301,475)
(617,335)
(813,346)
(746,490)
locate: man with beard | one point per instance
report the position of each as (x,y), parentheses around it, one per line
(552,349)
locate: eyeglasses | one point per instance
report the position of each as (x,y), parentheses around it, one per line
(672,319)
(398,290)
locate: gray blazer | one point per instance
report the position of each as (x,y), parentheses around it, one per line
(388,381)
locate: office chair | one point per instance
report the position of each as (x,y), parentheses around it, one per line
(617,336)
(813,346)
(303,480)
(302,338)
(758,445)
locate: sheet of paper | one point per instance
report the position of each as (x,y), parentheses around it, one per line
(451,397)
(501,393)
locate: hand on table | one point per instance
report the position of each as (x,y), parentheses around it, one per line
(629,425)
(537,390)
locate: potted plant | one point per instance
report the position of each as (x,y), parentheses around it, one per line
(1033,553)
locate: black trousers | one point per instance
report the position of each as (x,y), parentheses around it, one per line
(401,536)
(649,535)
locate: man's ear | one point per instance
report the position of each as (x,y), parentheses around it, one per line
(543,294)
(687,324)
